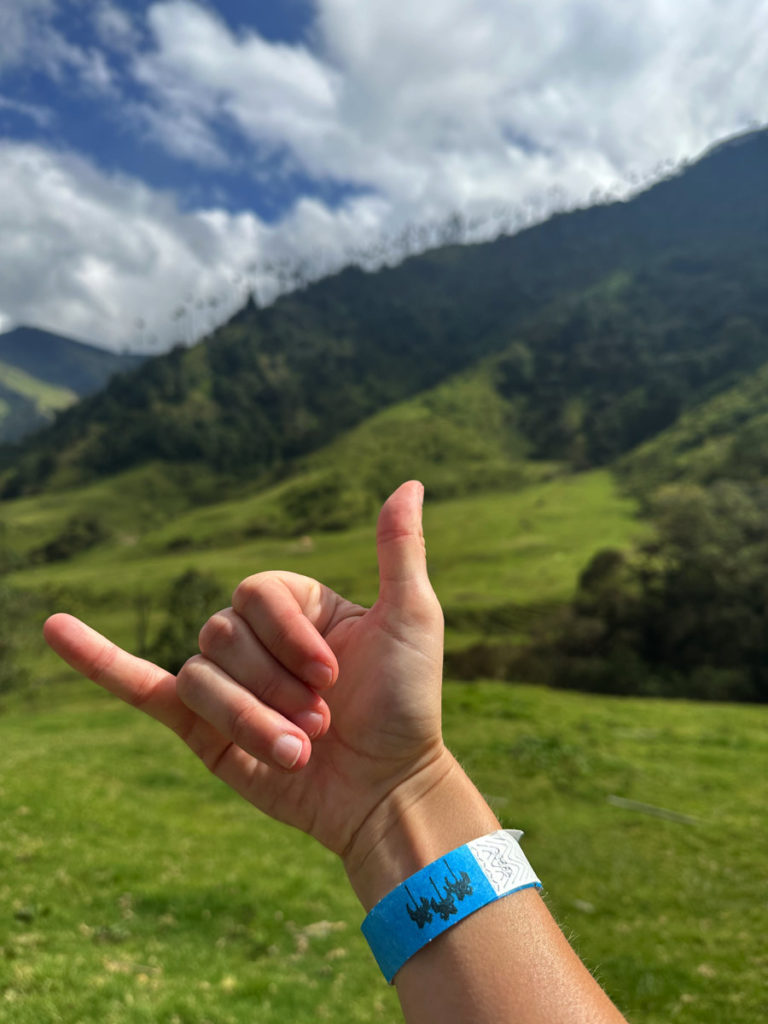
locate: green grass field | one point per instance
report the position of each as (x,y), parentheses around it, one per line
(135,888)
(508,548)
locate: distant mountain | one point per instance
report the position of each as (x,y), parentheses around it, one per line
(598,328)
(43,373)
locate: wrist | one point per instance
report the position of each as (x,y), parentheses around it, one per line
(423,818)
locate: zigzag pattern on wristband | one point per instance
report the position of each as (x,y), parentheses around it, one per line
(444,893)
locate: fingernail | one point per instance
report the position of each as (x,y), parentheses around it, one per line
(311,722)
(287,750)
(318,674)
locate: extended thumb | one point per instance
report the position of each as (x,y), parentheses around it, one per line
(400,544)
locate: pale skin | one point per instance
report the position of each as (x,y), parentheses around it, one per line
(326,716)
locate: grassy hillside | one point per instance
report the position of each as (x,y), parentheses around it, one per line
(43,373)
(723,438)
(137,889)
(459,438)
(27,402)
(47,398)
(494,558)
(94,795)
(126,506)
(504,552)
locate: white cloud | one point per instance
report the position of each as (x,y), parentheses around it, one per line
(498,110)
(29,38)
(276,95)
(86,254)
(18,24)
(107,259)
(468,101)
(115,28)
(42,116)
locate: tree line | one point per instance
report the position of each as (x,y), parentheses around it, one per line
(685,614)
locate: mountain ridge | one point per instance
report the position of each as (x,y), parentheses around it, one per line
(42,373)
(607,323)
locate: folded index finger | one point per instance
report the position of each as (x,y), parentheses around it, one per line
(138,682)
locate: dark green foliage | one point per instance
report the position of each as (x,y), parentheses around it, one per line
(194,597)
(618,366)
(725,437)
(324,501)
(488,660)
(80,533)
(687,613)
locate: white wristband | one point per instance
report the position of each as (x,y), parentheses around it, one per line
(444,893)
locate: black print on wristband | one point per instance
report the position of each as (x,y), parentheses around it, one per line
(422,913)
(455,888)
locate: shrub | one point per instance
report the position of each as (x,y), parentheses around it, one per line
(80,533)
(324,501)
(684,615)
(193,597)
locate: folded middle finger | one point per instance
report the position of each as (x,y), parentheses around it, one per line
(227,640)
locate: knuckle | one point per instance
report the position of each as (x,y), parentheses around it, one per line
(269,689)
(143,688)
(217,633)
(196,738)
(280,640)
(433,610)
(314,601)
(251,590)
(189,676)
(423,609)
(243,726)
(389,533)
(103,663)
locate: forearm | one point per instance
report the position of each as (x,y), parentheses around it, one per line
(507,961)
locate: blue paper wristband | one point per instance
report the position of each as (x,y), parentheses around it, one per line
(444,893)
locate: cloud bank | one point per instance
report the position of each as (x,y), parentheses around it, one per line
(489,112)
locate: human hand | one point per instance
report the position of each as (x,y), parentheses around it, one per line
(375,732)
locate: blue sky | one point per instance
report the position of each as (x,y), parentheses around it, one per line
(78,114)
(159,159)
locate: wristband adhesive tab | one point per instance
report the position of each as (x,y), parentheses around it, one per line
(444,893)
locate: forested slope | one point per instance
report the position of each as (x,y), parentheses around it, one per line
(608,322)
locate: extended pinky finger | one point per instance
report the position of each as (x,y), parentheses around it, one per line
(238,715)
(138,682)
